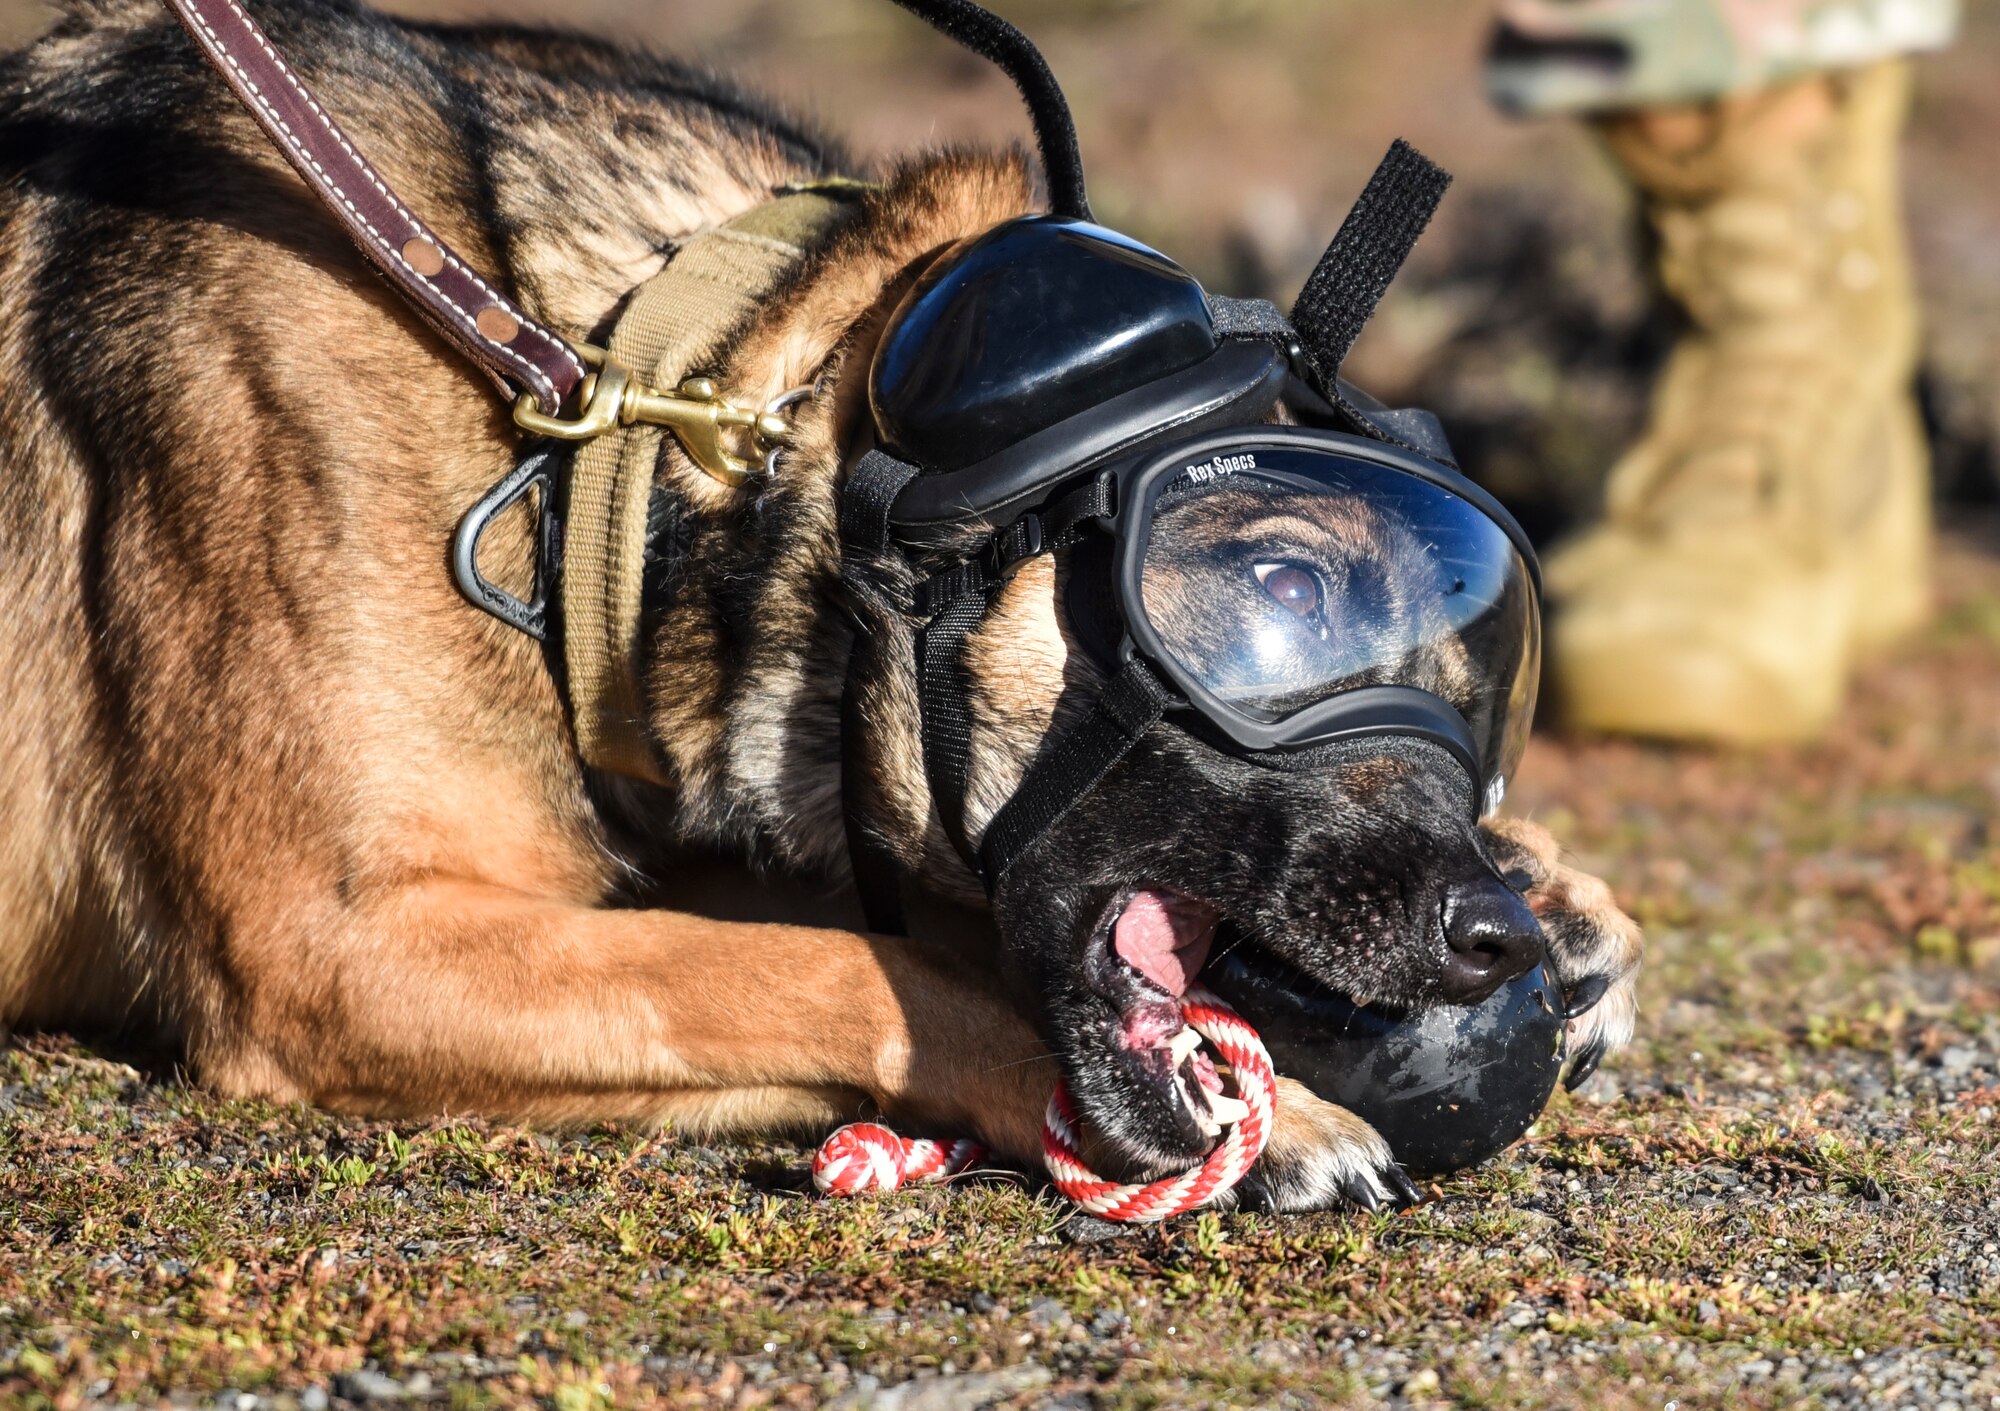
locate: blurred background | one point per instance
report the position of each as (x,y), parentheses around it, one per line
(1234,133)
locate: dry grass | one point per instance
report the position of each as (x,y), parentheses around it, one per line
(1798,1160)
(1788,1191)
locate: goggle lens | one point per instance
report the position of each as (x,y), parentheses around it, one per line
(1277,577)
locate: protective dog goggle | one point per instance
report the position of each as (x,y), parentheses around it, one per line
(1298,587)
(1294,587)
(1260,555)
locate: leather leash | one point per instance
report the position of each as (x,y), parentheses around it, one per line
(710,287)
(538,370)
(513,350)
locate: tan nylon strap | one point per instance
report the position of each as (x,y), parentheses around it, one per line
(671,329)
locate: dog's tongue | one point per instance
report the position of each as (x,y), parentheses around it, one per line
(1164,936)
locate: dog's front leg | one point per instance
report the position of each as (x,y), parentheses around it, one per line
(1322,1156)
(468,997)
(1594,946)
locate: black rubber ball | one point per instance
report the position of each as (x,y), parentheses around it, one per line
(1447,1087)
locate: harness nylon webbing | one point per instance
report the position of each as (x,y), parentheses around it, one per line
(958,600)
(865,503)
(943,692)
(673,324)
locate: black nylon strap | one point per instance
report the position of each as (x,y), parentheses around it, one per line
(1250,318)
(959,581)
(943,692)
(868,497)
(1027,537)
(1130,704)
(877,878)
(959,597)
(865,503)
(1409,428)
(1065,519)
(1341,293)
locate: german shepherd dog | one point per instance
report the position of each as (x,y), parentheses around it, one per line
(274,795)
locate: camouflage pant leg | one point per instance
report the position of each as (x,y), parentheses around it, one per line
(1557,56)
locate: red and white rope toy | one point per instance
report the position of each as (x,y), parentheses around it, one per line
(866,1157)
(1230,1162)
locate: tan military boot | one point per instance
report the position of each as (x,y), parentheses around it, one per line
(1774,519)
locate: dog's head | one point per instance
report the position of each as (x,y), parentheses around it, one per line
(1357,864)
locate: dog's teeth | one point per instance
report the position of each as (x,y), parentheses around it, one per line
(1204,1117)
(1183,1045)
(1227,1109)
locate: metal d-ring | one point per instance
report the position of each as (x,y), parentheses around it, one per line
(535,471)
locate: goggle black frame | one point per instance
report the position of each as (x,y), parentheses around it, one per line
(1362,711)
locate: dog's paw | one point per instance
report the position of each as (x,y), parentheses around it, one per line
(1321,1156)
(1593,946)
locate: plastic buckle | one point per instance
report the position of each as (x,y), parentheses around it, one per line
(1014,546)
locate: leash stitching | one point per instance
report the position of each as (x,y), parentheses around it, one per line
(534,374)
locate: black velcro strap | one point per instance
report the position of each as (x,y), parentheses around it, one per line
(944,694)
(1062,521)
(877,877)
(1251,318)
(865,504)
(1130,704)
(960,581)
(868,497)
(1374,240)
(955,601)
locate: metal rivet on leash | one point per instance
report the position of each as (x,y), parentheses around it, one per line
(867,1157)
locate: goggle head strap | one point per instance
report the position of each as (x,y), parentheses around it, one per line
(953,603)
(1130,704)
(866,502)
(950,605)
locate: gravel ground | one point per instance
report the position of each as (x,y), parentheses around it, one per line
(1787,1192)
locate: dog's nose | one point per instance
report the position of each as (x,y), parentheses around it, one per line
(1493,937)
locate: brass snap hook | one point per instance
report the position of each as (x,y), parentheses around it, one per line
(701,419)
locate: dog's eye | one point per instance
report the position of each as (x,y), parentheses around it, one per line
(1293,587)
